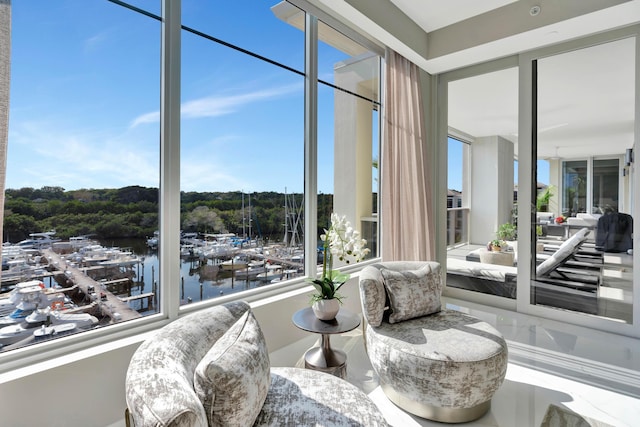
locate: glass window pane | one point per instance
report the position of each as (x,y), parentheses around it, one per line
(584,131)
(481,221)
(348,132)
(574,184)
(82,163)
(457,218)
(242,167)
(274,30)
(606,176)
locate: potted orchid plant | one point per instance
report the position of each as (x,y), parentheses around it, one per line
(343,242)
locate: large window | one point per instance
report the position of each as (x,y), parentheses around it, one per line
(482,148)
(605,188)
(457,200)
(348,130)
(241,149)
(92,155)
(574,186)
(82,168)
(573,192)
(584,263)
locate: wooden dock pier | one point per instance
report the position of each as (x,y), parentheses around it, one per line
(110,305)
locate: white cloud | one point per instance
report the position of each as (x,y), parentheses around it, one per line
(214,106)
(41,154)
(93,42)
(153,117)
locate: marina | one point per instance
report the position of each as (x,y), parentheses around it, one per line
(118,281)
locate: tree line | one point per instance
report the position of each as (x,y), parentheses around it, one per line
(132,212)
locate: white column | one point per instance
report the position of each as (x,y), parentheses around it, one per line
(353,138)
(491,195)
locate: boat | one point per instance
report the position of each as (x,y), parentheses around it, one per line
(273,271)
(249,272)
(54,331)
(120,258)
(187,250)
(238,262)
(286,275)
(44,317)
(12,298)
(38,240)
(152,242)
(26,297)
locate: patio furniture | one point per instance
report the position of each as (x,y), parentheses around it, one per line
(615,232)
(212,368)
(496,257)
(437,364)
(552,268)
(489,279)
(560,280)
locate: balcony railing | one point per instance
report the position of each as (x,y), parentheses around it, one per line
(457,226)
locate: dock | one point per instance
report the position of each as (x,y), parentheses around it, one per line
(110,305)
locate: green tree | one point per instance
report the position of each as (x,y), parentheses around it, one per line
(203,220)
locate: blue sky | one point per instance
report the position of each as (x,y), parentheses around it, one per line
(85,98)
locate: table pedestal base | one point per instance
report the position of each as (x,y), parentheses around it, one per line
(326,359)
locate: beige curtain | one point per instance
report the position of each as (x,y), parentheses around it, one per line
(407,211)
(5,62)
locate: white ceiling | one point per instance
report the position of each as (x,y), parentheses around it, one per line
(586,97)
(434,14)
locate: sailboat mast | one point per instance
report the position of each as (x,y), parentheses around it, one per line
(286,220)
(244,234)
(250,216)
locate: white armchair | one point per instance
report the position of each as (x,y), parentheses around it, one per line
(212,368)
(443,365)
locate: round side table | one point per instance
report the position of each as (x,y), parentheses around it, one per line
(325,358)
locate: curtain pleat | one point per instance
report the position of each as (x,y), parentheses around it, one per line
(407,220)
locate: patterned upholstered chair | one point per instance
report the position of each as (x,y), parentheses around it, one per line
(212,368)
(437,364)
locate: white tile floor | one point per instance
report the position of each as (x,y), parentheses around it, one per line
(594,374)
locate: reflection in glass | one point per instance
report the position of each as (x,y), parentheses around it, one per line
(606,175)
(481,193)
(348,132)
(586,113)
(574,185)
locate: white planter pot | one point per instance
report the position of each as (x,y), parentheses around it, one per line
(326,309)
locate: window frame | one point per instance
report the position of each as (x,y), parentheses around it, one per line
(90,343)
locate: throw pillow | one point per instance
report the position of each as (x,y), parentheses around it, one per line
(412,293)
(232,380)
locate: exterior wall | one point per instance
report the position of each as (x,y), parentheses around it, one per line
(353,139)
(491,187)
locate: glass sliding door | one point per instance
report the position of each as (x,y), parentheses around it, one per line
(585,114)
(482,147)
(605,185)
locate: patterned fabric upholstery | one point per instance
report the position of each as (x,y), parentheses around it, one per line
(301,397)
(236,369)
(447,359)
(159,382)
(413,293)
(445,365)
(160,389)
(373,295)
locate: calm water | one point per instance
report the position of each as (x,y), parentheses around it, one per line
(197,282)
